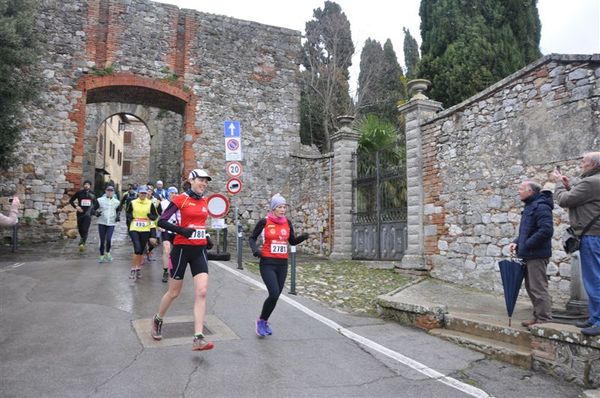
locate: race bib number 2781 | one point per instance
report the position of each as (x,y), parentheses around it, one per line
(277,248)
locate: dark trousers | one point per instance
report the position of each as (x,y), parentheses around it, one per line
(536,284)
(274,277)
(106,233)
(83,225)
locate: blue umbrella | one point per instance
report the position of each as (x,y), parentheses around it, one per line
(512,273)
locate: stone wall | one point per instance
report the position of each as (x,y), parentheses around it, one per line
(206,68)
(476,153)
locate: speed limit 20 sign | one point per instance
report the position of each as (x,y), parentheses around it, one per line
(234,169)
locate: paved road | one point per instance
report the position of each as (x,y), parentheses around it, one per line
(74,328)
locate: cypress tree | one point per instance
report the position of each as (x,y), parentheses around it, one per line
(470,44)
(411,54)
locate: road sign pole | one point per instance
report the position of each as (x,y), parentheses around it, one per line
(293,270)
(238,235)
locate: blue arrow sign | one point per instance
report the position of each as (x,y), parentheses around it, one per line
(232,128)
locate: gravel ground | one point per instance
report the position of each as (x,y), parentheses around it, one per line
(348,286)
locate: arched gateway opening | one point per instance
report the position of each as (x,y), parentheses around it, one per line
(166,109)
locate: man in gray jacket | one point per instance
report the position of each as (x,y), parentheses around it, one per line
(582,199)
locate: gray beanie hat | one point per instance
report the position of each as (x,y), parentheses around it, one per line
(277,200)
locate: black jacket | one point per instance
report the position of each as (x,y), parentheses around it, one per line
(536,228)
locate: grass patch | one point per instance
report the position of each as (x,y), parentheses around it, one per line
(349,286)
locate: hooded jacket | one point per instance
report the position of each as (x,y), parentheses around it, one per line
(536,228)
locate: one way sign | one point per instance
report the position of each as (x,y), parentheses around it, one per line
(232,128)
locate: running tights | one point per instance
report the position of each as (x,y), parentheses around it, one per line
(273,275)
(106,233)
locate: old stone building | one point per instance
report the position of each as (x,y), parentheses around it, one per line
(182,73)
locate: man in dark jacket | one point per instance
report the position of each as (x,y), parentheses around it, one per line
(85,198)
(534,246)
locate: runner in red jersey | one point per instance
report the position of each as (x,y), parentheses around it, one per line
(189,247)
(277,232)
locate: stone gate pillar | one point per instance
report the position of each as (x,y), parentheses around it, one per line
(344,143)
(416,112)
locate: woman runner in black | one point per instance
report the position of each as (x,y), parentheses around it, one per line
(277,232)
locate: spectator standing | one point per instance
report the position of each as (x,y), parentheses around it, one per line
(582,200)
(534,247)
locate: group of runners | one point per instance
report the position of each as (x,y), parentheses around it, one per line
(181,221)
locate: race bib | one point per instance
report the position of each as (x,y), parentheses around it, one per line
(85,203)
(198,234)
(141,223)
(278,248)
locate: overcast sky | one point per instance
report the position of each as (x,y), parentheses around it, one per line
(568,27)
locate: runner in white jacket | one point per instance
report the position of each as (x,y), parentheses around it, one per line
(107,208)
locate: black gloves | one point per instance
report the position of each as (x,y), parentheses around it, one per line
(186,232)
(152,216)
(256,254)
(303,236)
(118,218)
(97,213)
(209,243)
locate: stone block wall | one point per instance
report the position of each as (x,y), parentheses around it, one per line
(206,68)
(476,153)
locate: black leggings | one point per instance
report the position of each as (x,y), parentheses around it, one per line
(274,277)
(83,225)
(140,240)
(106,233)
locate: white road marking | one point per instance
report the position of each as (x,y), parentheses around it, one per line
(411,363)
(11,267)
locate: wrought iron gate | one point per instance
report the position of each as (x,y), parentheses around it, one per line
(379,206)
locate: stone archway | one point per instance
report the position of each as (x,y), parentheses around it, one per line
(131,90)
(165,138)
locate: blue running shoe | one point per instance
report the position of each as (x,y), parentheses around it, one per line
(261,326)
(268,329)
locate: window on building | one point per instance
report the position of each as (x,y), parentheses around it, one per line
(112,150)
(127,137)
(119,157)
(127,167)
(101,144)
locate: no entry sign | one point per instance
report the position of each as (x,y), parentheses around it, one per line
(218,205)
(234,185)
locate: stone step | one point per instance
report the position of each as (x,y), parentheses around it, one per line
(471,324)
(506,352)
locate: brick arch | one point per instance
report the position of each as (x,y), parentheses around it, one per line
(130,88)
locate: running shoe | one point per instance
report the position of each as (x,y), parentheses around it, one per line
(268,329)
(132,275)
(81,247)
(138,273)
(200,344)
(156,331)
(108,257)
(165,277)
(261,327)
(101,259)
